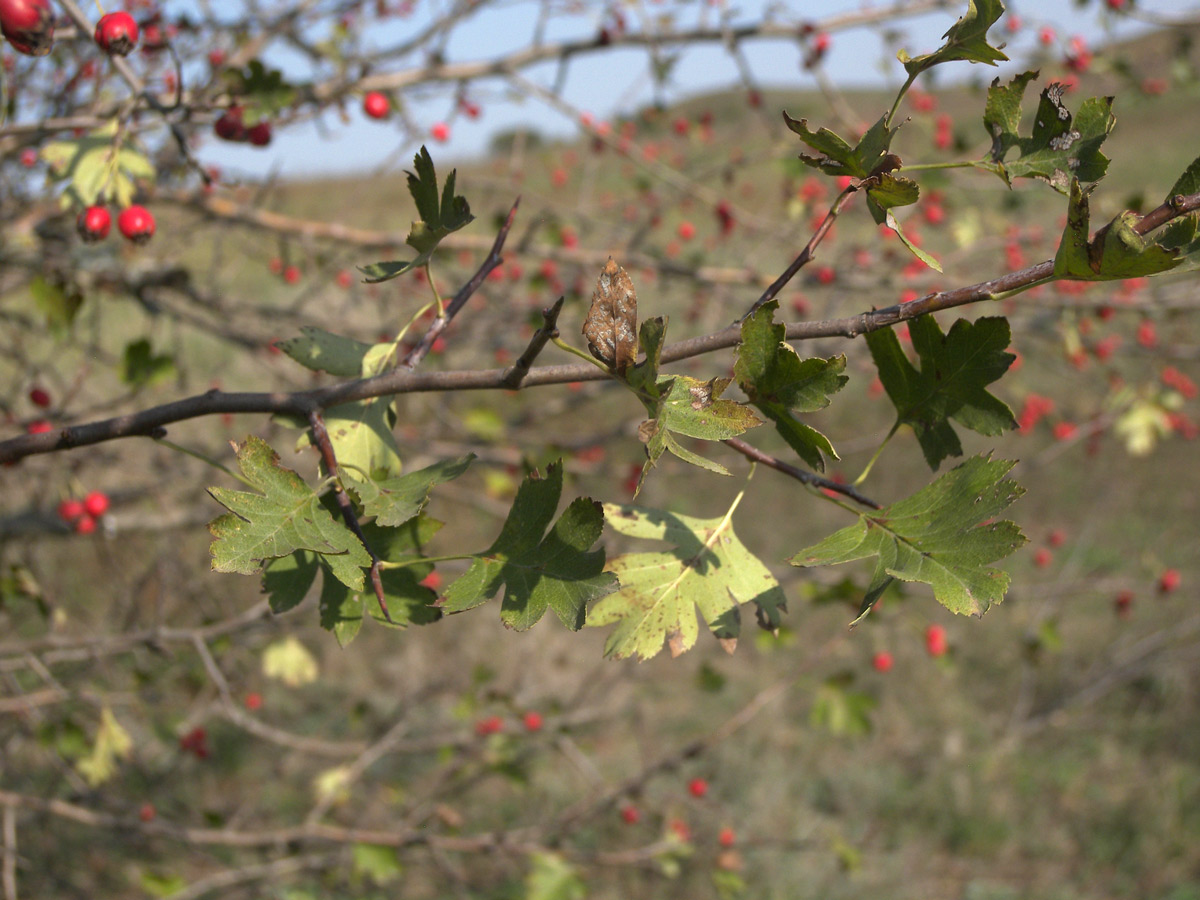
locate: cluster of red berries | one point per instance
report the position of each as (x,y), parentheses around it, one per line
(83,515)
(29,27)
(232,127)
(195,742)
(135,222)
(531,720)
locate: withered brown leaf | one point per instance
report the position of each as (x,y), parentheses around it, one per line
(611,323)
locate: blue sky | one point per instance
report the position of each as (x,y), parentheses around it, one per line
(615,82)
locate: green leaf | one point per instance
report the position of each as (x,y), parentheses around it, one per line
(141,368)
(955,370)
(1116,252)
(693,408)
(438,219)
(536,572)
(551,877)
(944,535)
(1060,147)
(892,223)
(97,169)
(1182,231)
(286,516)
(361,432)
(263,93)
(377,862)
(709,570)
(966,40)
(287,579)
(839,158)
(408,601)
(841,711)
(57,302)
(780,384)
(322,351)
(889,192)
(394,501)
(1002,113)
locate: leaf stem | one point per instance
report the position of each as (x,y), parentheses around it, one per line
(874,458)
(196,454)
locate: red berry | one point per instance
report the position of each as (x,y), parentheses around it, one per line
(882,661)
(630,814)
(39,397)
(117,33)
(195,741)
(1168,581)
(70,510)
(822,42)
(1123,603)
(96,504)
(1042,558)
(86,525)
(440,132)
(260,134)
(726,837)
(147,812)
(533,721)
(291,274)
(136,223)
(1047,35)
(254,701)
(824,274)
(344,279)
(29,157)
(28,25)
(687,230)
(376,105)
(1147,335)
(229,127)
(490,725)
(1057,538)
(935,640)
(38,426)
(433,581)
(681,830)
(93,224)
(697,787)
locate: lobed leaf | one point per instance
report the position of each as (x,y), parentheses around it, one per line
(438,218)
(539,569)
(965,40)
(955,370)
(285,516)
(1061,146)
(393,501)
(944,536)
(1116,252)
(780,384)
(708,570)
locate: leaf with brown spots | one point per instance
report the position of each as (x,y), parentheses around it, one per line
(611,323)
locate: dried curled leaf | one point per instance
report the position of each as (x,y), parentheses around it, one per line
(611,323)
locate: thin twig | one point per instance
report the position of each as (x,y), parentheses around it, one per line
(544,335)
(755,455)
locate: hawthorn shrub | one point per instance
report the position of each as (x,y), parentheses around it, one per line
(324,382)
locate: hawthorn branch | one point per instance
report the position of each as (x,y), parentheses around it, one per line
(543,336)
(152,421)
(753,454)
(465,293)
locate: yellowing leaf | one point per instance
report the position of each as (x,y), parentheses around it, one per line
(112,743)
(289,661)
(709,570)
